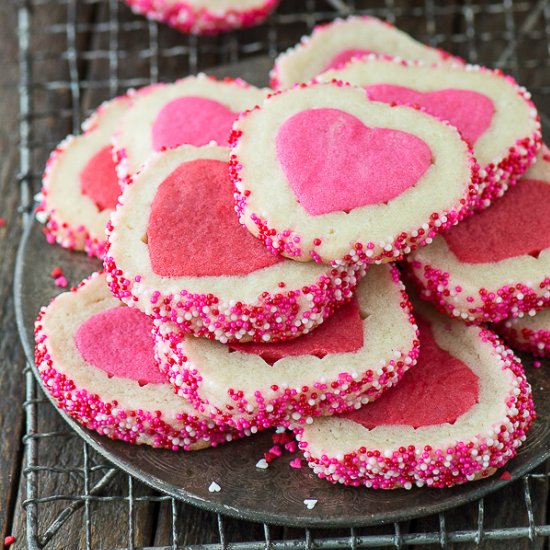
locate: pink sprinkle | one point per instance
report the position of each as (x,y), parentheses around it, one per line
(9,540)
(296,463)
(291,446)
(61,282)
(275,450)
(506,476)
(537,364)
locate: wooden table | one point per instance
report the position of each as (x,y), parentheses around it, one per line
(53,112)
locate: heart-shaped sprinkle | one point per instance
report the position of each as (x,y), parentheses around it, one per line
(334,163)
(310,503)
(193,230)
(192,121)
(516,225)
(438,389)
(262,464)
(214,487)
(119,341)
(98,180)
(468,111)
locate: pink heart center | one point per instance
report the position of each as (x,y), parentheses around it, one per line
(333,162)
(341,333)
(193,230)
(468,111)
(98,180)
(192,121)
(437,390)
(344,56)
(516,225)
(119,342)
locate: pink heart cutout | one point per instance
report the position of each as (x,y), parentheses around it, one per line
(192,121)
(518,224)
(193,230)
(438,389)
(98,180)
(469,112)
(333,162)
(119,342)
(344,56)
(340,333)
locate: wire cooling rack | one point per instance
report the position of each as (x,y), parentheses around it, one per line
(76,53)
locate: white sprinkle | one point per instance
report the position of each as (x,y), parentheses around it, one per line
(262,464)
(310,503)
(214,487)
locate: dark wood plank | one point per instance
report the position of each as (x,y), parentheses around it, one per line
(11,357)
(63,456)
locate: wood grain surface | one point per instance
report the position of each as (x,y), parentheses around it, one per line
(152,521)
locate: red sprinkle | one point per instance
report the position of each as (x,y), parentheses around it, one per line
(57,272)
(269,457)
(281,438)
(2,222)
(9,540)
(506,476)
(291,446)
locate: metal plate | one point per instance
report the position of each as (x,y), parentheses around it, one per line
(275,495)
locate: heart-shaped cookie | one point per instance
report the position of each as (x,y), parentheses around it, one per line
(468,111)
(119,342)
(192,226)
(193,121)
(333,162)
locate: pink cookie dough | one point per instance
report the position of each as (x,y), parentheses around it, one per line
(178,253)
(196,110)
(363,349)
(458,415)
(494,265)
(490,110)
(80,187)
(322,174)
(95,357)
(333,44)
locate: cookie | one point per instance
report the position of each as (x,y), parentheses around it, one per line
(178,253)
(95,358)
(333,44)
(363,349)
(459,414)
(196,110)
(489,109)
(323,174)
(79,186)
(530,333)
(496,264)
(205,16)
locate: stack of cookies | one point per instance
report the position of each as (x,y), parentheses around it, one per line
(254,244)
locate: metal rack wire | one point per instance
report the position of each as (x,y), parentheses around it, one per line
(127,51)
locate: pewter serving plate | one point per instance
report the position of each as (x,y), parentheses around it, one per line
(275,495)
